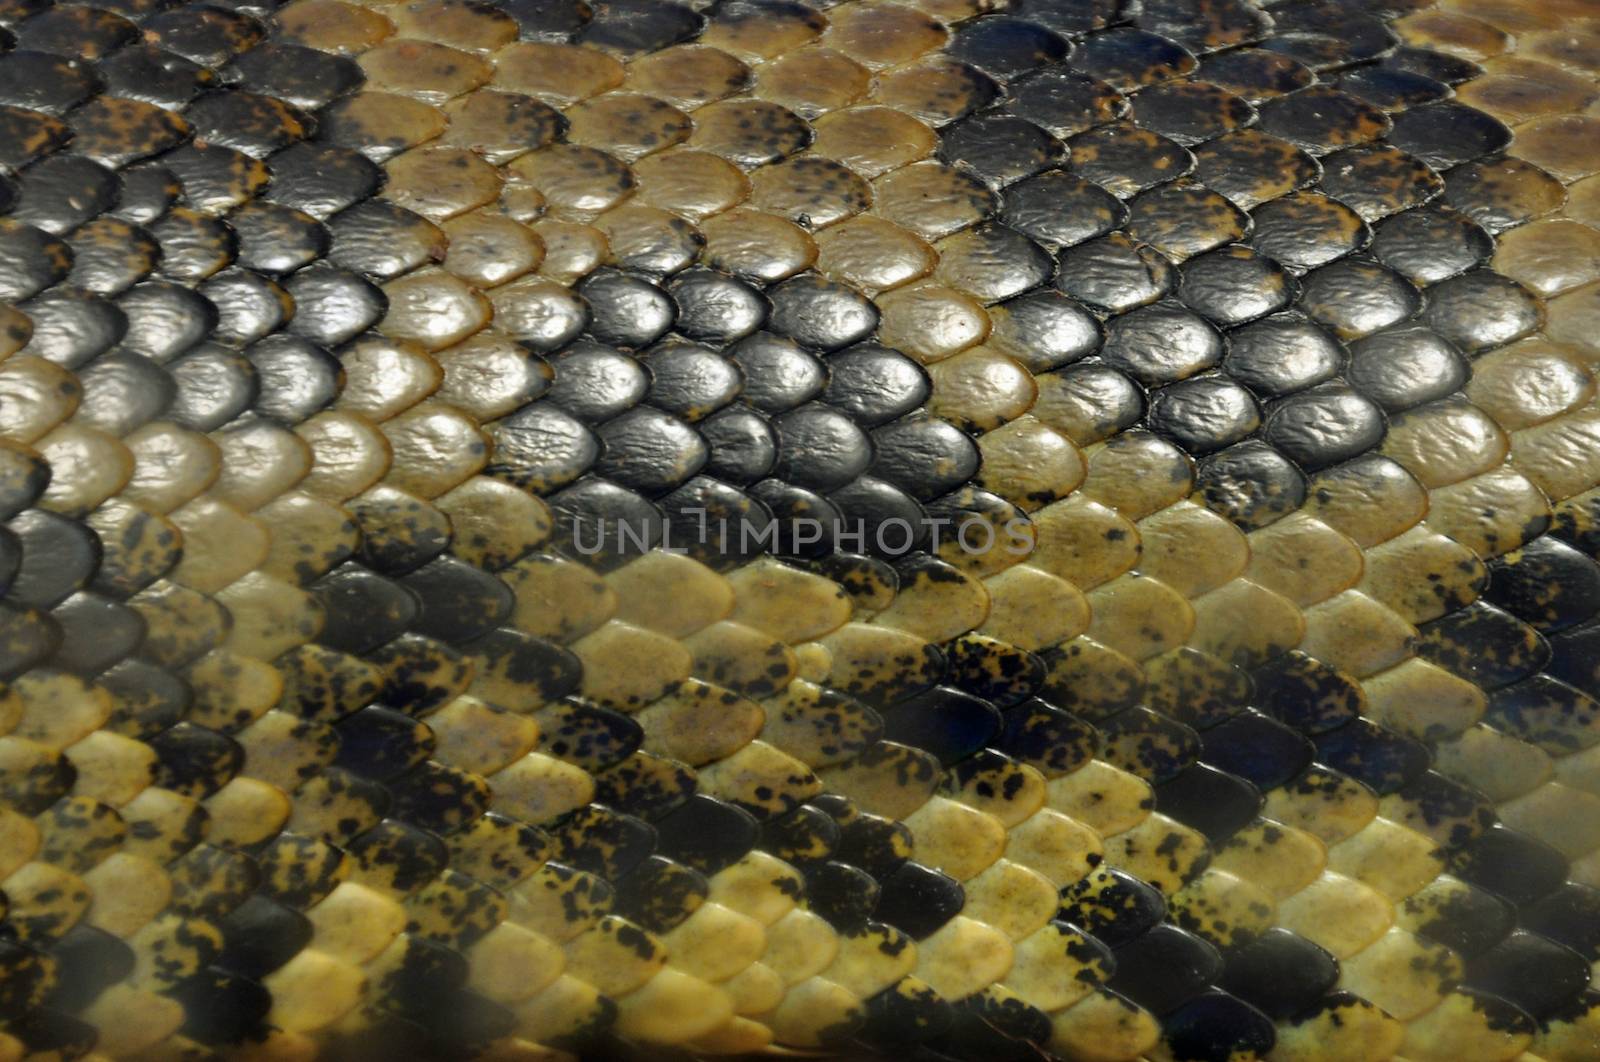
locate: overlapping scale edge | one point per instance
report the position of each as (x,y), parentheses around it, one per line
(400,532)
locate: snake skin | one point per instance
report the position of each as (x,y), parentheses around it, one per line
(480,481)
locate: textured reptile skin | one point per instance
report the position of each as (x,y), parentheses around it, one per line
(938,530)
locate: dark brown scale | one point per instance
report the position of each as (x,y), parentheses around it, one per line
(255,125)
(1322,119)
(1205,26)
(1065,103)
(300,77)
(1130,59)
(29,135)
(109,255)
(117,131)
(33,260)
(1502,193)
(1190,112)
(76,32)
(321,180)
(145,72)
(379,125)
(45,82)
(1307,230)
(1183,220)
(1125,160)
(215,178)
(383,240)
(274,239)
(209,36)
(1377,182)
(61,193)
